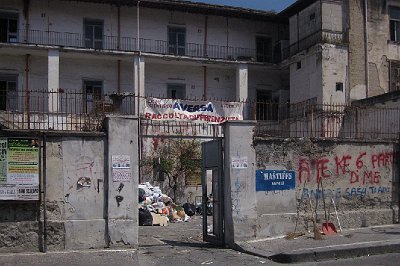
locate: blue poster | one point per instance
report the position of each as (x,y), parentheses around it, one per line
(270,180)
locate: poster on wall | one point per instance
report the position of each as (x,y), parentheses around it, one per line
(19,169)
(121,168)
(184,110)
(239,162)
(272,180)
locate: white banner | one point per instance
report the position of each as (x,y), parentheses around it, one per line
(199,111)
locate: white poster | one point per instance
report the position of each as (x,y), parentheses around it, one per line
(200,111)
(239,162)
(121,161)
(122,175)
(121,168)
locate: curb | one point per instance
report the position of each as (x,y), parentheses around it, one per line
(314,255)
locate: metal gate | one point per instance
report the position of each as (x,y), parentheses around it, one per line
(211,136)
(213,197)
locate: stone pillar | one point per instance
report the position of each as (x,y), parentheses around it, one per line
(53,79)
(242,86)
(138,80)
(123,178)
(240,182)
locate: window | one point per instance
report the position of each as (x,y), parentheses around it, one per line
(339,86)
(176,91)
(93,34)
(8,92)
(394,75)
(264,49)
(298,65)
(93,95)
(394,13)
(176,40)
(8,27)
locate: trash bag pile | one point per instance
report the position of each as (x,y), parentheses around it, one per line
(157,208)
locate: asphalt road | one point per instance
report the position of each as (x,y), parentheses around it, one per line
(177,244)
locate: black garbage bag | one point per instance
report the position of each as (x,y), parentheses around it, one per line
(190,209)
(142,196)
(145,217)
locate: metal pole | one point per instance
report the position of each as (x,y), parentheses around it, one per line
(138,26)
(44,195)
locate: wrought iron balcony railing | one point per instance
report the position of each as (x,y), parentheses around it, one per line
(128,44)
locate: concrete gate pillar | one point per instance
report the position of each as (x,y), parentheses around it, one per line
(123,177)
(240,182)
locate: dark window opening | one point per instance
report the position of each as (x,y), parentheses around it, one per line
(264,49)
(394,75)
(93,33)
(176,40)
(93,93)
(394,13)
(312,16)
(298,65)
(8,92)
(8,27)
(339,86)
(267,106)
(176,91)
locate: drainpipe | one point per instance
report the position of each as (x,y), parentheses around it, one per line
(26,15)
(298,33)
(227,36)
(205,54)
(205,83)
(118,47)
(138,25)
(27,93)
(205,36)
(366,48)
(138,84)
(44,195)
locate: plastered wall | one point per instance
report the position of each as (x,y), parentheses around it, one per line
(361,177)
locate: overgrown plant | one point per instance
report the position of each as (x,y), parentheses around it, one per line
(176,159)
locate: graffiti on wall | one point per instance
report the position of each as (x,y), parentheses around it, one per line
(359,173)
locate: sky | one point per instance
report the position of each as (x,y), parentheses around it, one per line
(268,5)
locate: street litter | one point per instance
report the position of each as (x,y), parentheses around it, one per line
(158,209)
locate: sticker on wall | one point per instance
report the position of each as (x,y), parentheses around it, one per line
(239,162)
(121,168)
(270,180)
(121,161)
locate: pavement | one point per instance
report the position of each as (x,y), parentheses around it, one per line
(349,243)
(181,244)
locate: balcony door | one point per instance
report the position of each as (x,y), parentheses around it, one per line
(94,33)
(264,49)
(176,91)
(8,92)
(8,27)
(93,95)
(176,40)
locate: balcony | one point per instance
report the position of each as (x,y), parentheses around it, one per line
(128,44)
(321,36)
